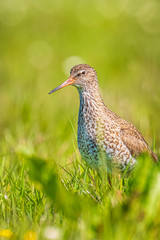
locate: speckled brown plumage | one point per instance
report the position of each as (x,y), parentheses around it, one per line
(104,139)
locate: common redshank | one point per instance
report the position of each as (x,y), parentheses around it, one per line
(104,138)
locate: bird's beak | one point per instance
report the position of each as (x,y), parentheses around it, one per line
(69,81)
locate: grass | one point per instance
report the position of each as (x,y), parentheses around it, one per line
(46,189)
(73,202)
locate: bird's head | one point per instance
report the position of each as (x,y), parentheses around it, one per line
(82,76)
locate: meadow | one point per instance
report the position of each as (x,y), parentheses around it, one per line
(46,190)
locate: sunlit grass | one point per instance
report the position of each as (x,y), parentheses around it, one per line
(36,194)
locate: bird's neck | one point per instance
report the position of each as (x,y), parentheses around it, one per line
(92,105)
(90,102)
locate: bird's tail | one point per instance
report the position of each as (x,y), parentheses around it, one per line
(155,157)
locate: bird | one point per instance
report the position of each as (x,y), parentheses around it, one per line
(105,140)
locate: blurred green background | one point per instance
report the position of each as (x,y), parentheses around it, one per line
(39,42)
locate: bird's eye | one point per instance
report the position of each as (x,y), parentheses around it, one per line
(81,72)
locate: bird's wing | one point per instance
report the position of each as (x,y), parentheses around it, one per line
(134,140)
(131,137)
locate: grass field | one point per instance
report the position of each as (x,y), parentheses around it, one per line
(46,189)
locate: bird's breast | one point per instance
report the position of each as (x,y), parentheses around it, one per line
(89,138)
